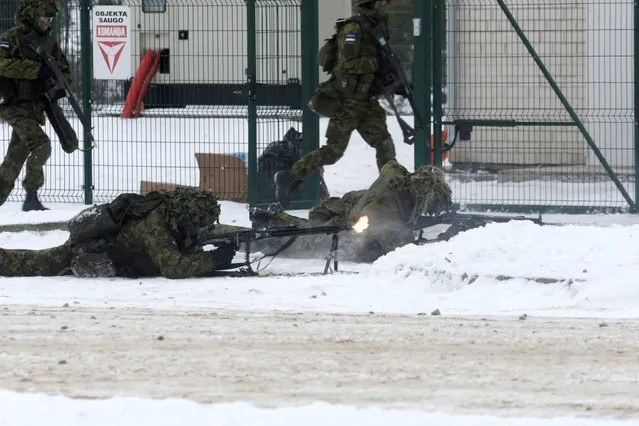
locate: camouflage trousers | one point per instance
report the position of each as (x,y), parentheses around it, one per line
(368,118)
(35,263)
(29,143)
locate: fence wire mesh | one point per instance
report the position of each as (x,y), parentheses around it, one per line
(528,150)
(192,128)
(278,43)
(63,173)
(194,109)
(199,115)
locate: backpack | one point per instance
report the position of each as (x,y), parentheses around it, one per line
(327,55)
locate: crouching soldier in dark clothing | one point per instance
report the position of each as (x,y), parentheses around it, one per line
(133,236)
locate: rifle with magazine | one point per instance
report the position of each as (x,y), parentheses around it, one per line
(396,82)
(55,88)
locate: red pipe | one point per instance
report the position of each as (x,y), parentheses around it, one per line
(131,107)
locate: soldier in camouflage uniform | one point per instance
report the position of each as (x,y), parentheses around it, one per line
(133,236)
(392,204)
(21,73)
(356,82)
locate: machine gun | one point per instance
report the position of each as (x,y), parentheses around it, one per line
(56,87)
(244,238)
(460,222)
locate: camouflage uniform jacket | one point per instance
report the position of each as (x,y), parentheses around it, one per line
(143,248)
(148,247)
(357,72)
(20,66)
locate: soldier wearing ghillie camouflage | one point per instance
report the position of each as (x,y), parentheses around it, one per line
(355,83)
(133,236)
(390,206)
(21,74)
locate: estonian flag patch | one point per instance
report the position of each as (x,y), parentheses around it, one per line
(4,44)
(350,37)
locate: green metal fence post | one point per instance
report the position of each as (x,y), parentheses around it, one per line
(422,66)
(87,80)
(310,80)
(636,65)
(566,104)
(438,80)
(251,71)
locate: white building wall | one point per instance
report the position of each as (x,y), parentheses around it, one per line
(494,77)
(610,117)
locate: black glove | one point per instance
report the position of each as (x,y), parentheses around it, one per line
(223,255)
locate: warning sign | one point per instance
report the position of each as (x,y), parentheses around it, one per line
(111,43)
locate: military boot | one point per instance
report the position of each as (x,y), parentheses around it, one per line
(31,201)
(285,184)
(93,265)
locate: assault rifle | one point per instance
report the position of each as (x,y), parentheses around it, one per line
(56,87)
(395,81)
(244,239)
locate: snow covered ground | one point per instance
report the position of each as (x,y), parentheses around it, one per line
(537,326)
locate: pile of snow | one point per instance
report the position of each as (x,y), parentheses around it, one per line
(524,264)
(501,269)
(527,250)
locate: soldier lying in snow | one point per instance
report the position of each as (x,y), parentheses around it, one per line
(133,236)
(392,204)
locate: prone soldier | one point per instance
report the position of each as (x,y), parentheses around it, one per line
(132,236)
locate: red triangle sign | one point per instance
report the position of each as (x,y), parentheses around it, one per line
(111,51)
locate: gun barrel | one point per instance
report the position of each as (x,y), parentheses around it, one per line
(241,237)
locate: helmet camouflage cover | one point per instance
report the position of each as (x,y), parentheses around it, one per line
(430,192)
(30,11)
(188,210)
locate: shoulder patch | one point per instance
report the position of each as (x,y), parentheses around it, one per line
(4,44)
(350,37)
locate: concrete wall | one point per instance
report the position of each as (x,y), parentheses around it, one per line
(610,112)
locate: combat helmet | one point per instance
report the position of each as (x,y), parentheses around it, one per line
(37,13)
(429,191)
(188,210)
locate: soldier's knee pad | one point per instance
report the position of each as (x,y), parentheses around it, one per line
(93,265)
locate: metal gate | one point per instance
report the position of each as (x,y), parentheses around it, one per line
(538,97)
(282,74)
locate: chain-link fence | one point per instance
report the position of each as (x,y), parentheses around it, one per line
(538,97)
(541,94)
(208,80)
